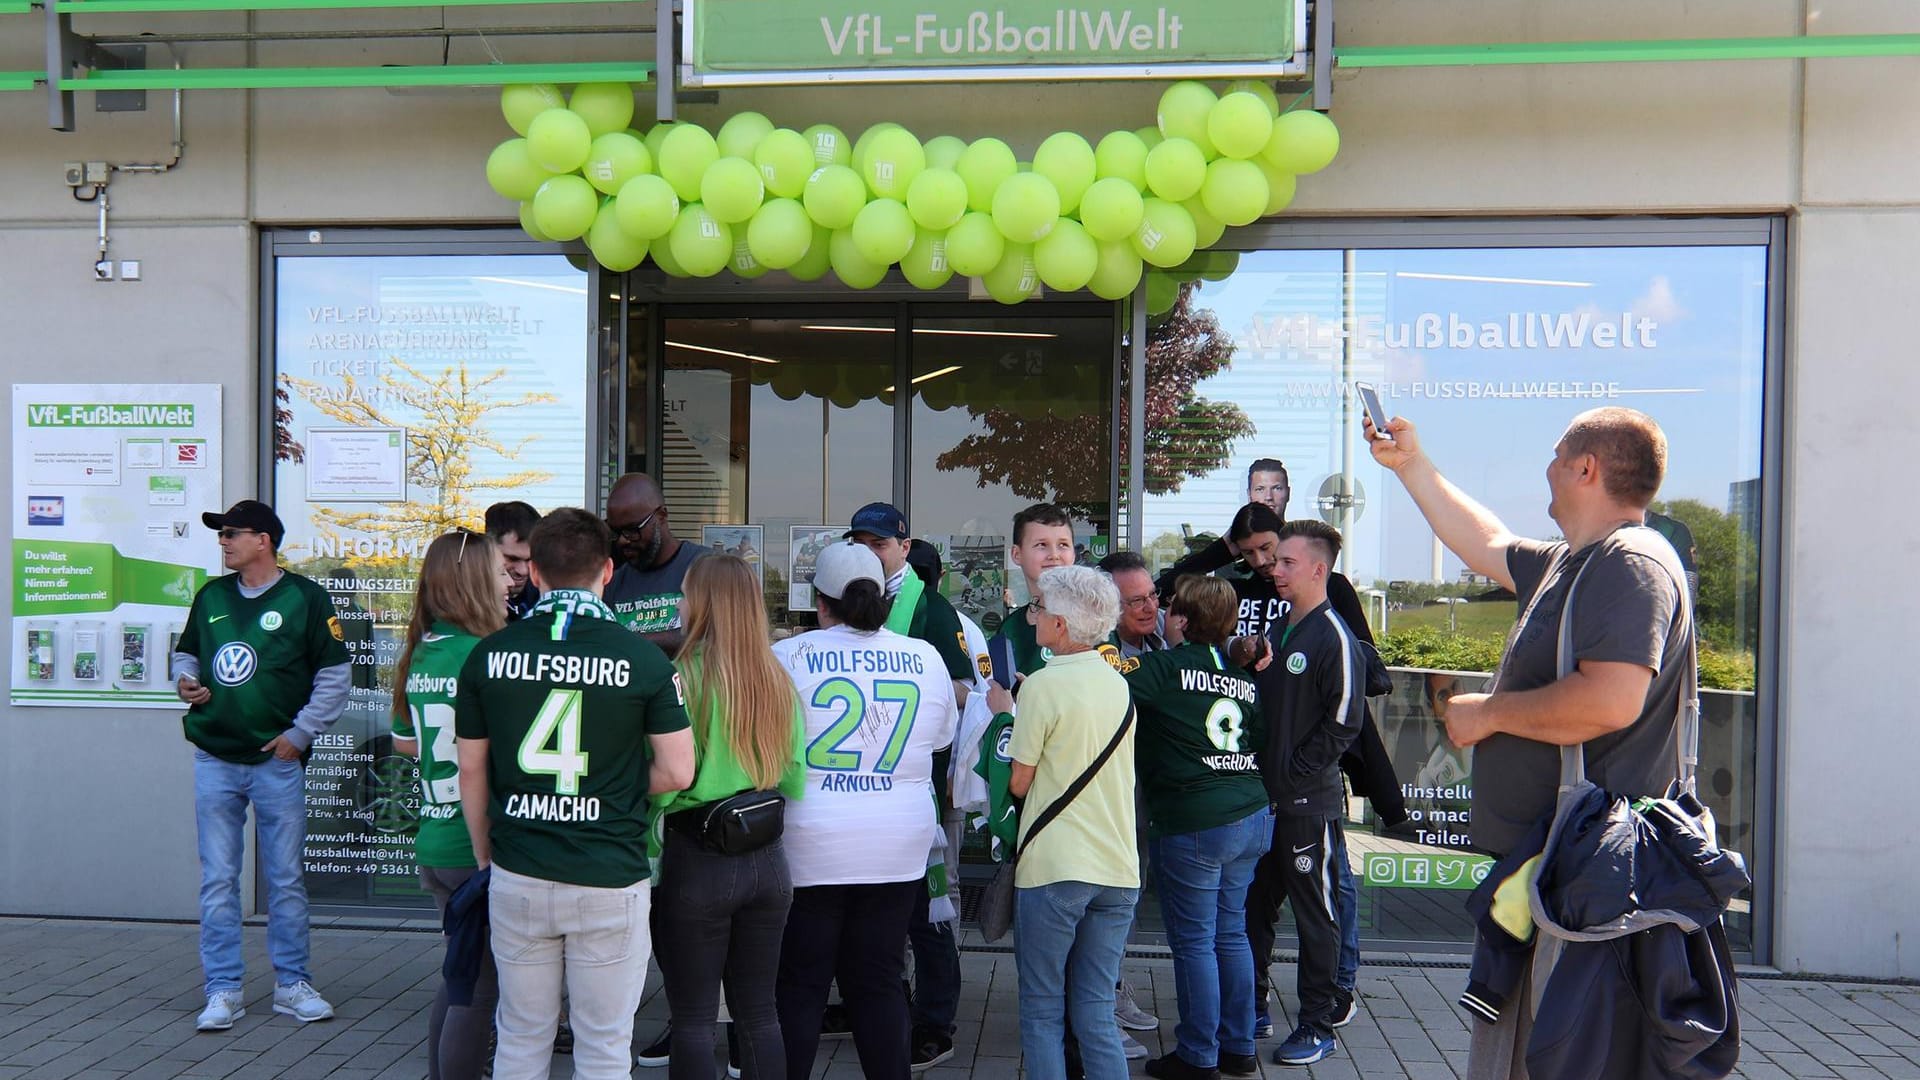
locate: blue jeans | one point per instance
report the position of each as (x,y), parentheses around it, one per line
(1071,934)
(1346,909)
(1203,898)
(221,792)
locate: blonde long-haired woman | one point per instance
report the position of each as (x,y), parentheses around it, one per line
(723,889)
(460,599)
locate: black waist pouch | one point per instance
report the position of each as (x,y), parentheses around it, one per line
(736,825)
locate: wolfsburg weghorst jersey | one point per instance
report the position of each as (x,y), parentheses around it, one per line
(878,705)
(258,655)
(432,686)
(1313,695)
(1198,735)
(567,699)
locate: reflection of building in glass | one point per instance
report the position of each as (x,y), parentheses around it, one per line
(1743,504)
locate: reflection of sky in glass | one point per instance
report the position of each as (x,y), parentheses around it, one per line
(1442,330)
(542,348)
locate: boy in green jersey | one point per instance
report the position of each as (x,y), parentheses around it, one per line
(566,722)
(1042,540)
(264,669)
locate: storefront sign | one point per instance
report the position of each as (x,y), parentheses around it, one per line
(108,547)
(772,42)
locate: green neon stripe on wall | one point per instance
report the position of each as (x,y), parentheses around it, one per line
(79,7)
(316,77)
(19,80)
(1616,52)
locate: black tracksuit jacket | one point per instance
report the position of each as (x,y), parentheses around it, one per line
(1313,696)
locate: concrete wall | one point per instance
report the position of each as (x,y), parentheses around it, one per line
(1828,142)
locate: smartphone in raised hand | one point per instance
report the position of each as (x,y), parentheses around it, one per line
(1370,399)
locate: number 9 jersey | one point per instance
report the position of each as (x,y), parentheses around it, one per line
(877,705)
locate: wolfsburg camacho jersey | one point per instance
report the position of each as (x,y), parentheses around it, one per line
(258,656)
(567,699)
(432,685)
(1199,729)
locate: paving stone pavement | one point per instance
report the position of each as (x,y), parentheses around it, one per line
(83,998)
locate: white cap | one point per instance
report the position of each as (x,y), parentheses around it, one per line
(840,565)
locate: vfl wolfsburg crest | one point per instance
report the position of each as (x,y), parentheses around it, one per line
(270,621)
(234,664)
(1297,663)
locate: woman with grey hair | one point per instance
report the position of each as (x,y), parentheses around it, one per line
(1078,874)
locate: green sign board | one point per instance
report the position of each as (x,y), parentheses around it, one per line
(772,42)
(1425,870)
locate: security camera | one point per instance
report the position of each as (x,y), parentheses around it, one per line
(76,174)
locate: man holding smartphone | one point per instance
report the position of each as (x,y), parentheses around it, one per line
(263,666)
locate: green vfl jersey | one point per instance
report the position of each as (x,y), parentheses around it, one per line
(1199,728)
(1028,656)
(567,699)
(432,685)
(258,655)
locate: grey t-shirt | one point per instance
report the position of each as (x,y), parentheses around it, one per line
(648,601)
(1628,610)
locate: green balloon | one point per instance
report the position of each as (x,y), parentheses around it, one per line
(1122,155)
(611,245)
(865,140)
(520,104)
(731,190)
(1259,89)
(1220,265)
(1303,141)
(1025,207)
(1013,278)
(1207,229)
(743,264)
(883,231)
(1235,191)
(819,257)
(1280,187)
(894,158)
(565,206)
(1166,234)
(937,198)
(834,196)
(663,257)
(558,140)
(785,159)
(1176,169)
(789,381)
(684,157)
(854,269)
(1162,293)
(614,159)
(646,207)
(656,135)
(606,107)
(701,244)
(1117,271)
(943,151)
(925,264)
(1149,136)
(830,146)
(1183,114)
(779,233)
(530,226)
(1240,125)
(974,245)
(1068,162)
(741,135)
(1066,257)
(985,164)
(1111,209)
(512,173)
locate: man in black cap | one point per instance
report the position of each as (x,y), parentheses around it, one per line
(264,669)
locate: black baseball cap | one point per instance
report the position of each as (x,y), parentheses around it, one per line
(249,514)
(879,519)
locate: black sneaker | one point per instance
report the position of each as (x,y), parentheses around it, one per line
(834,1023)
(930,1048)
(1346,1006)
(1172,1066)
(658,1052)
(1239,1064)
(563,1038)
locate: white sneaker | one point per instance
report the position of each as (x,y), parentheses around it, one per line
(223,1008)
(1131,1047)
(1128,1013)
(302,1002)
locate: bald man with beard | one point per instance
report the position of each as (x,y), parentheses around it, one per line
(651,562)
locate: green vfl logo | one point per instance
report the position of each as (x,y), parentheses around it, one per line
(1297,663)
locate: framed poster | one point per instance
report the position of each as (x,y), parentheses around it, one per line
(804,544)
(746,541)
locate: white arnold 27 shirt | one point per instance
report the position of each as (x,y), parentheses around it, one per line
(878,705)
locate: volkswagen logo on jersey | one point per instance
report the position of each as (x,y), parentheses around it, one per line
(1303,863)
(234,664)
(270,621)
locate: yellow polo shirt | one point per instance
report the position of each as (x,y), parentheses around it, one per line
(1068,713)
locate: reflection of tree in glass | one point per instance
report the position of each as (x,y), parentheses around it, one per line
(445,438)
(1061,458)
(1728,562)
(284,446)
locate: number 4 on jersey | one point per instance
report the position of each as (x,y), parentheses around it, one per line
(558,722)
